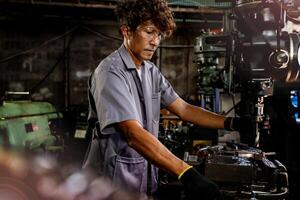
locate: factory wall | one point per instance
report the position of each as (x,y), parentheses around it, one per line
(53,57)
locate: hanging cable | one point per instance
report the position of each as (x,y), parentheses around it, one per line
(102,35)
(40,46)
(295,21)
(232,108)
(36,86)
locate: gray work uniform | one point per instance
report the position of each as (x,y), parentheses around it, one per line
(113,98)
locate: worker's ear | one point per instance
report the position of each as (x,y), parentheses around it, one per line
(125,30)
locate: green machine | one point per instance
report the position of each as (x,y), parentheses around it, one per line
(28,125)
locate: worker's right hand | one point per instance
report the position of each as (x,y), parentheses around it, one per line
(196,186)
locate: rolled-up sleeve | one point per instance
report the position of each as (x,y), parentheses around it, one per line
(113,99)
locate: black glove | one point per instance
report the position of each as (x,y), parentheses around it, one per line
(199,187)
(238,123)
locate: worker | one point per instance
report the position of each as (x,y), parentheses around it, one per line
(126,93)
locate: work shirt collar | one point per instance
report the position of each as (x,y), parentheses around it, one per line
(125,55)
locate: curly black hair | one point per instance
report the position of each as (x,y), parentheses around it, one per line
(135,12)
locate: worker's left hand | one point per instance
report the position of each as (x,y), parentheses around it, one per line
(238,123)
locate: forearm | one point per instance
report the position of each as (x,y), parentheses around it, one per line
(196,115)
(202,117)
(153,150)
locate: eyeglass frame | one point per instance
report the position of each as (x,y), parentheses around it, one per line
(153,33)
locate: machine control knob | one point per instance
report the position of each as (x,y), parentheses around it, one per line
(279,59)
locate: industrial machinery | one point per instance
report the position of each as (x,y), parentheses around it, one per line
(257,54)
(251,57)
(244,172)
(28,126)
(241,172)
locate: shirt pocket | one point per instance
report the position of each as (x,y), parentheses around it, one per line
(131,173)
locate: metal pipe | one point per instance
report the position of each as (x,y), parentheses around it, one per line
(111,5)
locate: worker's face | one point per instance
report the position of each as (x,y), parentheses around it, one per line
(143,42)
